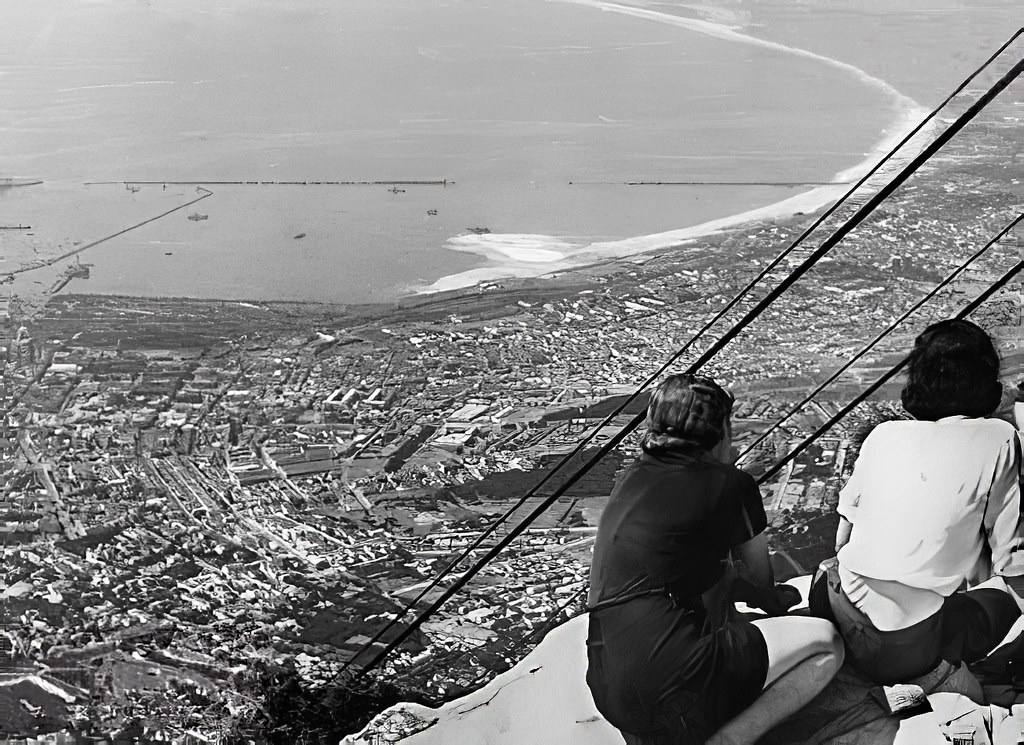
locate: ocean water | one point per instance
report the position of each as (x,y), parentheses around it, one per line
(532,119)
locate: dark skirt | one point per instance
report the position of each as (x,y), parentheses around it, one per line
(662,677)
(965,629)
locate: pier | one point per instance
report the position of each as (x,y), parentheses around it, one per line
(75,252)
(429,182)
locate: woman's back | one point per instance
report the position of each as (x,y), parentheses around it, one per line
(932,504)
(923,497)
(670,522)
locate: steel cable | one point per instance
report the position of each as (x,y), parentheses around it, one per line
(882,380)
(581,445)
(958,124)
(888,330)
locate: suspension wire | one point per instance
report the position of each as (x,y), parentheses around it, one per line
(869,206)
(883,379)
(967,310)
(832,209)
(738,297)
(553,617)
(892,327)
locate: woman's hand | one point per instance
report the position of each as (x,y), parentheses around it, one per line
(787,596)
(774,600)
(843,533)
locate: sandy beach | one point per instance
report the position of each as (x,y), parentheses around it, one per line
(534,255)
(537,256)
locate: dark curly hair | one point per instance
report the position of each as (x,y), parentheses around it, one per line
(687,412)
(953,369)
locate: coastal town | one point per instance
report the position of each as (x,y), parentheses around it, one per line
(210,508)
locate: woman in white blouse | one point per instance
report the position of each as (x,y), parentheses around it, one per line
(933,507)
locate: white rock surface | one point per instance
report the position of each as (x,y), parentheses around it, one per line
(543,699)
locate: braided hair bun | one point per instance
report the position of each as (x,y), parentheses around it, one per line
(687,412)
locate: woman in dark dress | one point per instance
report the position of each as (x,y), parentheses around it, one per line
(681,536)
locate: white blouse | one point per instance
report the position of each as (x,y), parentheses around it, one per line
(932,504)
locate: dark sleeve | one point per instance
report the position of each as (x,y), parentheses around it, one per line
(751,520)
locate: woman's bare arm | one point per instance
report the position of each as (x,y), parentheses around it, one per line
(756,582)
(843,533)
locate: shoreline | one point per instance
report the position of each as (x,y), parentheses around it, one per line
(554,279)
(239,255)
(519,256)
(496,282)
(549,262)
(375,248)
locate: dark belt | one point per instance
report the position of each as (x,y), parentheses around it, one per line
(691,604)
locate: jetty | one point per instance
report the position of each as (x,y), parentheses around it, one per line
(9,181)
(395,183)
(72,271)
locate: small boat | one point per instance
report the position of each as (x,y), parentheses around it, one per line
(300,235)
(196,217)
(396,190)
(479,231)
(77,270)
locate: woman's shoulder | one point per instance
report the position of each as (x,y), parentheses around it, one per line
(990,427)
(693,464)
(735,475)
(994,431)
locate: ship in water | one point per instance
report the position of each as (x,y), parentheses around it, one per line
(196,217)
(14,181)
